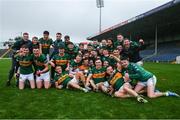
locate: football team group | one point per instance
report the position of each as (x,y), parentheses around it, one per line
(112,66)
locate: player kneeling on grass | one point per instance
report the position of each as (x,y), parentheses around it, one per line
(65,80)
(120,86)
(145,79)
(41,68)
(97,76)
(25,60)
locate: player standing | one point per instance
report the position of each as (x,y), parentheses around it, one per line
(45,44)
(16,47)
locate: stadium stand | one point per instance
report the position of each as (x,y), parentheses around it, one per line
(160,25)
(2,51)
(167,52)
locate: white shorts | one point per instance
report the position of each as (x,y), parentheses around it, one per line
(74,80)
(47,57)
(150,81)
(121,88)
(106,84)
(74,71)
(44,76)
(140,63)
(23,77)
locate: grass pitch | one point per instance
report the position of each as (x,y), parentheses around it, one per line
(58,104)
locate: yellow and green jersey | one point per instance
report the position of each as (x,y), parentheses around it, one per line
(138,73)
(74,65)
(39,62)
(116,80)
(62,78)
(98,75)
(45,45)
(83,68)
(25,63)
(72,53)
(61,60)
(111,61)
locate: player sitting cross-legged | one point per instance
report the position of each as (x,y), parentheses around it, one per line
(97,76)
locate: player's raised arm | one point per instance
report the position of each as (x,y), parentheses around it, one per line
(51,63)
(114,57)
